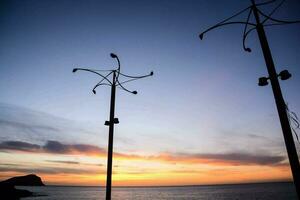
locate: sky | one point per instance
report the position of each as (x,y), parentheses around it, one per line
(201,119)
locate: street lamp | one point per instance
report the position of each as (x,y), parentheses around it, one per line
(259,25)
(115,82)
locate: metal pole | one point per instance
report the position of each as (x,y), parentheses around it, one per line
(110,137)
(280,103)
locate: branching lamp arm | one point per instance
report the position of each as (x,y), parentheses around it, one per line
(82,69)
(245,31)
(277,20)
(136,77)
(224,24)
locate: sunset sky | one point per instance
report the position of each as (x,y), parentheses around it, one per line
(201,119)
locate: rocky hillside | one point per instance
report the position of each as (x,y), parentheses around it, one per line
(28,180)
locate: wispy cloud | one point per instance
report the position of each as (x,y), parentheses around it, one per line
(31,125)
(27,127)
(64,162)
(52,170)
(73,162)
(17,120)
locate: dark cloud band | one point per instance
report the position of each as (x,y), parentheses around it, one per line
(55,147)
(51,146)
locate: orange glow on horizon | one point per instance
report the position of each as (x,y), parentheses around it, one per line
(244,175)
(140,171)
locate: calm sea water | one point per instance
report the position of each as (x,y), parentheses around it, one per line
(261,191)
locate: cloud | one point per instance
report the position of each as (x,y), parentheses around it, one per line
(27,127)
(64,162)
(73,162)
(56,147)
(236,158)
(32,125)
(52,170)
(22,122)
(53,147)
(19,146)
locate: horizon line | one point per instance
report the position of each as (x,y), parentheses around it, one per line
(193,185)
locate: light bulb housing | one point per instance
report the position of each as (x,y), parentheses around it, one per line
(263,81)
(113,55)
(284,75)
(248,50)
(201,36)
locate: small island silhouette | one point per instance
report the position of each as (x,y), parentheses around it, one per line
(8,190)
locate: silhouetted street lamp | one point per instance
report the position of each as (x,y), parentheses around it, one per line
(115,82)
(273,76)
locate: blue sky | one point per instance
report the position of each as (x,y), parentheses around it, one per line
(203,97)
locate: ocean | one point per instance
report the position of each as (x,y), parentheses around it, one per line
(257,191)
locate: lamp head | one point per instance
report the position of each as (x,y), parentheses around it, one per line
(113,55)
(134,92)
(94,91)
(201,36)
(116,120)
(284,75)
(248,50)
(151,73)
(74,70)
(263,81)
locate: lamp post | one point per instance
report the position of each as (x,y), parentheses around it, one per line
(280,103)
(114,83)
(273,76)
(111,123)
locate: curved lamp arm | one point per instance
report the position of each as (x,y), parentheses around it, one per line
(245,31)
(100,83)
(265,3)
(119,64)
(119,84)
(224,24)
(137,77)
(82,69)
(94,89)
(116,57)
(273,11)
(277,20)
(133,79)
(245,37)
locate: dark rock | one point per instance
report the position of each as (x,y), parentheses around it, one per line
(28,180)
(9,192)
